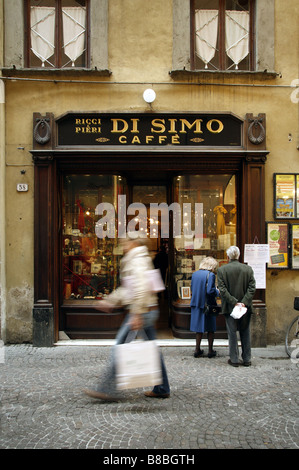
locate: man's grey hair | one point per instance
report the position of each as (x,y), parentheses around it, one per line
(233,252)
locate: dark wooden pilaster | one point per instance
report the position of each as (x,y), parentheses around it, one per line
(44,259)
(253,210)
(253,180)
(253,201)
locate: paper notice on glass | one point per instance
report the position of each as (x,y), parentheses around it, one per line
(259,271)
(238,312)
(256,253)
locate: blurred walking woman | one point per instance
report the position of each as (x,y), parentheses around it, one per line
(201,323)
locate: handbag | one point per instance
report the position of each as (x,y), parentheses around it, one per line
(210,309)
(138,364)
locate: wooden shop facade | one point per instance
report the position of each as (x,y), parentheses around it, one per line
(84,161)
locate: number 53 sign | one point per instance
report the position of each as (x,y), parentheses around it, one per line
(22,187)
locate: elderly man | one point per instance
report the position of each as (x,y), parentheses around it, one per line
(237,286)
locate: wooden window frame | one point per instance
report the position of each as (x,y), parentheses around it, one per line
(222,58)
(58,37)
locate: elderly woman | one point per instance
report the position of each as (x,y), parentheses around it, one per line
(200,322)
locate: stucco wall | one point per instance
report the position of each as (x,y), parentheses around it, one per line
(283,143)
(2,185)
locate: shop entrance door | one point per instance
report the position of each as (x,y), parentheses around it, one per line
(147,195)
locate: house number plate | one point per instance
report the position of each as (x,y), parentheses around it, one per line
(22,187)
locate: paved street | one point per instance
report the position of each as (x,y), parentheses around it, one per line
(212,405)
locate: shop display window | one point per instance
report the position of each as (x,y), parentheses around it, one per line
(90,264)
(217,196)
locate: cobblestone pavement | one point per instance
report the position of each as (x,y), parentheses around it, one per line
(212,405)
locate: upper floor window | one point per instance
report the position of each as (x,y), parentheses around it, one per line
(56,33)
(222,34)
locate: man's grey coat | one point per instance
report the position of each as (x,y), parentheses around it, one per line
(236,284)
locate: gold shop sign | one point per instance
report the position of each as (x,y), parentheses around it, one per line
(95,129)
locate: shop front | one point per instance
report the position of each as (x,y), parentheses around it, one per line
(192,184)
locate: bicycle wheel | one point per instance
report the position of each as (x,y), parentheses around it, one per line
(292,337)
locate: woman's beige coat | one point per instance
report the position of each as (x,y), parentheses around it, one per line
(135,289)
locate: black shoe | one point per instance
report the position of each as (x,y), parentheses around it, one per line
(234,364)
(247,364)
(198,353)
(212,354)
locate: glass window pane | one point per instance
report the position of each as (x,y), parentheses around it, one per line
(42,33)
(222,34)
(237,25)
(217,194)
(90,263)
(206,34)
(58,34)
(74,23)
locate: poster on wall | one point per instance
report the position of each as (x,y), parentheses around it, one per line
(295,246)
(278,240)
(285,200)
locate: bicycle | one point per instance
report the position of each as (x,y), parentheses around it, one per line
(292,335)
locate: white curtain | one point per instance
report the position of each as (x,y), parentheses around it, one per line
(206,29)
(74,20)
(42,23)
(237,35)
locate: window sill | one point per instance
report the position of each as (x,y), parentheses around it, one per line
(53,73)
(181,74)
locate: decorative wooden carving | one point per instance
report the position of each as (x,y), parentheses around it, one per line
(255,131)
(43,131)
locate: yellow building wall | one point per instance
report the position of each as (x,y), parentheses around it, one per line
(140,56)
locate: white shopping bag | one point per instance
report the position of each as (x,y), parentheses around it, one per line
(156,281)
(138,364)
(238,312)
(153,277)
